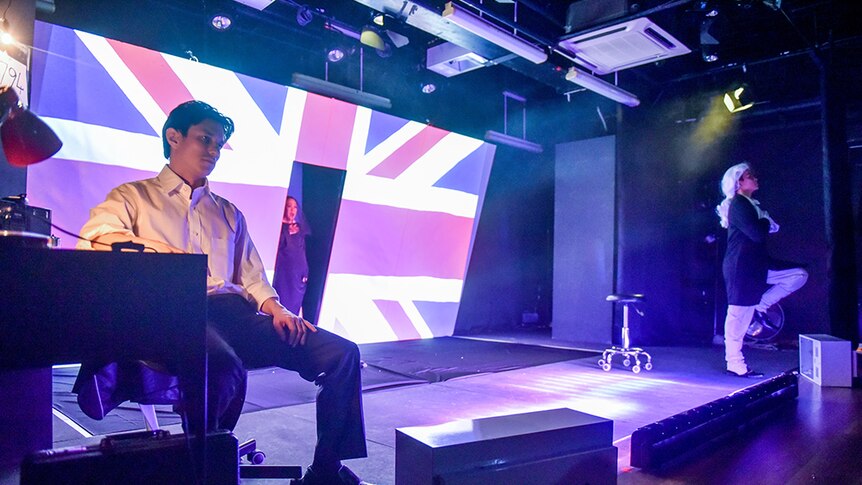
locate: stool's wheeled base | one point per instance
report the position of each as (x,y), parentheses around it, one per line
(627,352)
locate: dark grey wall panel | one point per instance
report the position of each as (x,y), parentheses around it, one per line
(584,240)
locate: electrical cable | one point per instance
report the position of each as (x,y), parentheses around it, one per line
(92,241)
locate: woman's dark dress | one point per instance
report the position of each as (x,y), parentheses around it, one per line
(291,269)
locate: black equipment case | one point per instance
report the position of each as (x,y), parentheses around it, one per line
(146,457)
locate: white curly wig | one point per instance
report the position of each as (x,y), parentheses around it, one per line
(729,186)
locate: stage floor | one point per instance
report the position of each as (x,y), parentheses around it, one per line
(682,378)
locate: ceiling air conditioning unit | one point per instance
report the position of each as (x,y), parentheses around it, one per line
(623,46)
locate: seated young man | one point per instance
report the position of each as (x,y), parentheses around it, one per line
(176,212)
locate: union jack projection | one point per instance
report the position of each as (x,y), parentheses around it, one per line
(421,186)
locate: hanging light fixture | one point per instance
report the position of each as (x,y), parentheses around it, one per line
(338,91)
(600,86)
(505,138)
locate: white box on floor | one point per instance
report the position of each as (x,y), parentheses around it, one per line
(825,360)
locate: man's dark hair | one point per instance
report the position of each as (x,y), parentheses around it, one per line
(191,113)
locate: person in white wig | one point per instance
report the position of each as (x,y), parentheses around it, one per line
(754,281)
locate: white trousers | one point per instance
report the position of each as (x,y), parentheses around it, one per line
(784,282)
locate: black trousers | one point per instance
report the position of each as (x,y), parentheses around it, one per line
(239,338)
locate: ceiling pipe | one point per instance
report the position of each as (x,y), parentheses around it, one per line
(539,10)
(508,23)
(479,26)
(643,13)
(430,20)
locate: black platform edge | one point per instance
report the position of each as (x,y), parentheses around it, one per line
(270,471)
(676,437)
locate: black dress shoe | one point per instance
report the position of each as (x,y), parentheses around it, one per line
(751,374)
(344,476)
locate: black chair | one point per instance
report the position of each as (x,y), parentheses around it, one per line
(148,385)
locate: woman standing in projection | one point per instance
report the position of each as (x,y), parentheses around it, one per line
(291,266)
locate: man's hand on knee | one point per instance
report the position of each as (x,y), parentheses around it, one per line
(290,328)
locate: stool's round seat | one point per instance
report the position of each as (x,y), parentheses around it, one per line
(625,298)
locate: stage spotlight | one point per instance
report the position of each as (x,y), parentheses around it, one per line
(372,38)
(708,43)
(708,53)
(304,16)
(336,54)
(221,22)
(26,138)
(383,25)
(706,7)
(428,87)
(5,35)
(739,99)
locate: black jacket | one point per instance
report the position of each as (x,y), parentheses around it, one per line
(746,261)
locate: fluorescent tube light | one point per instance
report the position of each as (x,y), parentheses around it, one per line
(600,86)
(343,29)
(497,137)
(338,91)
(493,34)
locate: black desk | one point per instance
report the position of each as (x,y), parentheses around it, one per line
(63,306)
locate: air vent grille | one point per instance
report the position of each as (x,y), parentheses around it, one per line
(623,46)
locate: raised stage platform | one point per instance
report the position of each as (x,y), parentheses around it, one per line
(421,383)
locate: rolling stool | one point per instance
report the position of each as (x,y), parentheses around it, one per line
(627,352)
